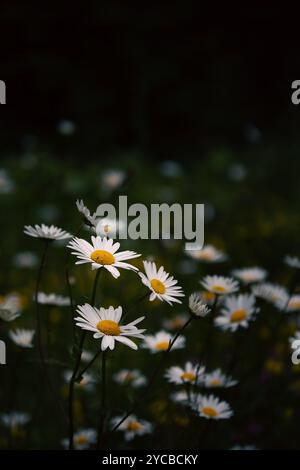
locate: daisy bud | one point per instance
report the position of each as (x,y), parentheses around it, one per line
(197,307)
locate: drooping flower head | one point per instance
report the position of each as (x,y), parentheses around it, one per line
(46,233)
(197,307)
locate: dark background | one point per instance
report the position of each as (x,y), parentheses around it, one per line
(170,79)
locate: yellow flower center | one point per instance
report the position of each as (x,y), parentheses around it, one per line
(108,327)
(162,345)
(133,426)
(106,228)
(238,315)
(188,376)
(215,382)
(208,411)
(208,296)
(206,255)
(218,289)
(158,286)
(102,257)
(294,303)
(79,440)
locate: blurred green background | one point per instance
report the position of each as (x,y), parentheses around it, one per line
(192,110)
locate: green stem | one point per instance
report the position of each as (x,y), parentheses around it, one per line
(153,376)
(101,429)
(76,368)
(39,331)
(83,371)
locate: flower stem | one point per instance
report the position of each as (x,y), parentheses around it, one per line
(39,331)
(101,429)
(83,371)
(153,376)
(76,368)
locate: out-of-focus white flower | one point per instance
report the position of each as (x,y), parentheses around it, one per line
(22,337)
(292,305)
(273,293)
(53,299)
(237,172)
(210,407)
(175,323)
(86,356)
(188,374)
(132,426)
(66,127)
(90,220)
(249,275)
(197,306)
(87,382)
(108,227)
(45,232)
(292,261)
(171,169)
(162,285)
(15,419)
(220,285)
(130,377)
(105,324)
(10,306)
(296,337)
(161,341)
(7,186)
(237,311)
(25,259)
(244,447)
(216,379)
(83,439)
(102,253)
(113,179)
(208,254)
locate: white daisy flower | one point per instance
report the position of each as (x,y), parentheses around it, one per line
(53,299)
(25,259)
(109,227)
(207,297)
(161,341)
(176,322)
(113,179)
(162,285)
(132,426)
(249,275)
(87,382)
(10,306)
(83,439)
(290,305)
(292,261)
(272,293)
(218,379)
(220,285)
(208,254)
(46,232)
(22,337)
(89,219)
(130,377)
(14,419)
(210,407)
(188,374)
(237,311)
(197,306)
(102,253)
(105,324)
